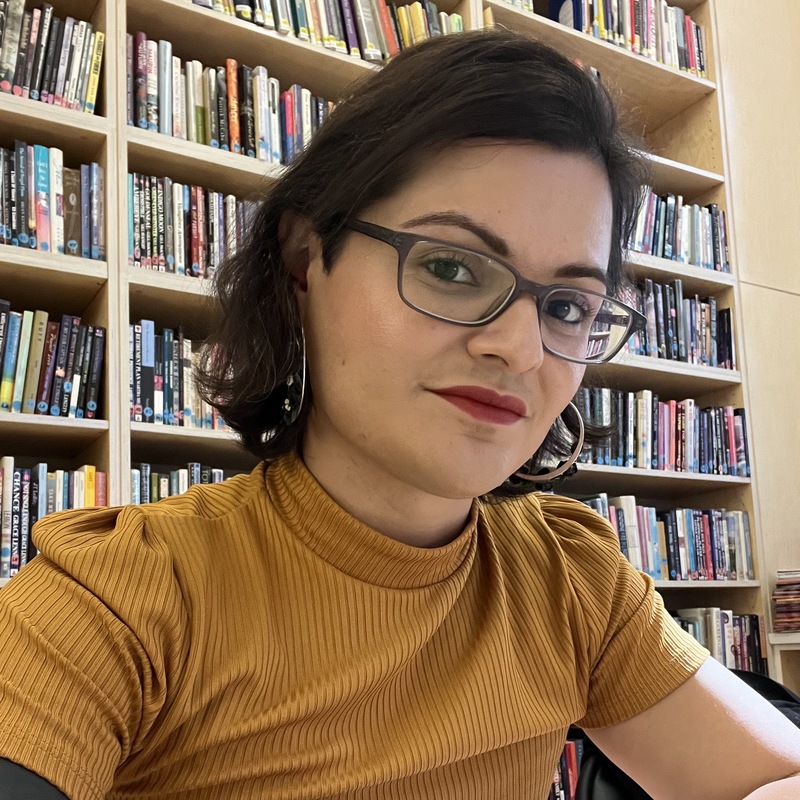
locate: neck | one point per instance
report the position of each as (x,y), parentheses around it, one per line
(381,500)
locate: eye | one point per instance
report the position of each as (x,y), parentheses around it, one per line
(572,310)
(449,268)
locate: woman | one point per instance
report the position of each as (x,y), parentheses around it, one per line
(413,312)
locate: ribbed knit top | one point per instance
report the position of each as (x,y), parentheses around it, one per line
(253,640)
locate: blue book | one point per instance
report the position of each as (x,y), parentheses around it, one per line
(85,212)
(148,369)
(41,172)
(14,325)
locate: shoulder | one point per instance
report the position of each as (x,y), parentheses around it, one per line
(581,536)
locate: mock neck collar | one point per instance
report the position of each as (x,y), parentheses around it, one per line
(354,548)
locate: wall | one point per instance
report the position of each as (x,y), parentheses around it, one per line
(758,67)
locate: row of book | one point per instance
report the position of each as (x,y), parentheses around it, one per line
(233,107)
(671,435)
(162,386)
(687,232)
(689,329)
(680,544)
(651,28)
(46,58)
(182,228)
(49,207)
(565,778)
(373,30)
(786,601)
(50,367)
(28,494)
(737,641)
(149,485)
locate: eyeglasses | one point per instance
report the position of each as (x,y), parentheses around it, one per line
(466,287)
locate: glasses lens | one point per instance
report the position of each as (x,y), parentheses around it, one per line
(583,326)
(454,284)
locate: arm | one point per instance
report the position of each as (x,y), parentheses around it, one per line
(18,783)
(714,738)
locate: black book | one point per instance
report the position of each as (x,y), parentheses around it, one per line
(66,389)
(33,43)
(660,321)
(95,374)
(22,52)
(5,311)
(144,477)
(247,120)
(60,362)
(73,387)
(671,319)
(673,551)
(51,58)
(655,426)
(86,363)
(680,330)
(21,177)
(622,531)
(222,108)
(42,43)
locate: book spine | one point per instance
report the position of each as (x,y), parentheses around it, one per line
(10,43)
(53,48)
(83,378)
(42,173)
(56,200)
(69,405)
(246,111)
(350,31)
(9,365)
(62,352)
(164,87)
(97,195)
(66,385)
(276,138)
(56,97)
(21,368)
(140,80)
(46,375)
(30,55)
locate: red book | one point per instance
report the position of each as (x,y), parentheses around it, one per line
(194,235)
(234,134)
(100,489)
(387,27)
(202,232)
(708,553)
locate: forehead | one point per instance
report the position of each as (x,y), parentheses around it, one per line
(550,207)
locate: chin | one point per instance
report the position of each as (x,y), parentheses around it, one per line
(465,480)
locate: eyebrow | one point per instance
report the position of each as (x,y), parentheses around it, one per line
(500,245)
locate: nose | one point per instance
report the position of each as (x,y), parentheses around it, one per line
(514,337)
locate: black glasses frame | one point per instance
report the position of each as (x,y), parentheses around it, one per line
(403,242)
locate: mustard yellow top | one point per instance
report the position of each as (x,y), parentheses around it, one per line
(252,640)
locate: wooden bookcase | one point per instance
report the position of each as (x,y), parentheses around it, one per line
(680,116)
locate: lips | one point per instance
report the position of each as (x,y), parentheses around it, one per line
(484,404)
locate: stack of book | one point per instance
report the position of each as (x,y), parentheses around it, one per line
(149,485)
(50,367)
(27,495)
(162,387)
(673,435)
(373,30)
(650,28)
(233,107)
(680,544)
(565,779)
(182,228)
(786,601)
(689,329)
(49,207)
(49,59)
(692,234)
(737,641)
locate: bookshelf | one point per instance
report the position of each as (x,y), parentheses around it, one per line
(679,115)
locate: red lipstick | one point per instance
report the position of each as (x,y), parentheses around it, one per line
(485,405)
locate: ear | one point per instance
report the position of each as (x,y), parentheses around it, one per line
(300,246)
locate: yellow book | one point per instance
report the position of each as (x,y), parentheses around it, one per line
(89,482)
(488,18)
(405,26)
(94,72)
(419,22)
(601,19)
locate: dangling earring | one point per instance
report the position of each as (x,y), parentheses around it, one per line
(565,468)
(295,393)
(296,387)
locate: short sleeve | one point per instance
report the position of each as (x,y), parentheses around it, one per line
(630,652)
(90,631)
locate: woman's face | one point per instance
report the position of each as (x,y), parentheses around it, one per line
(380,370)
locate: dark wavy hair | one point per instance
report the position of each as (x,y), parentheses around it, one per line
(492,83)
